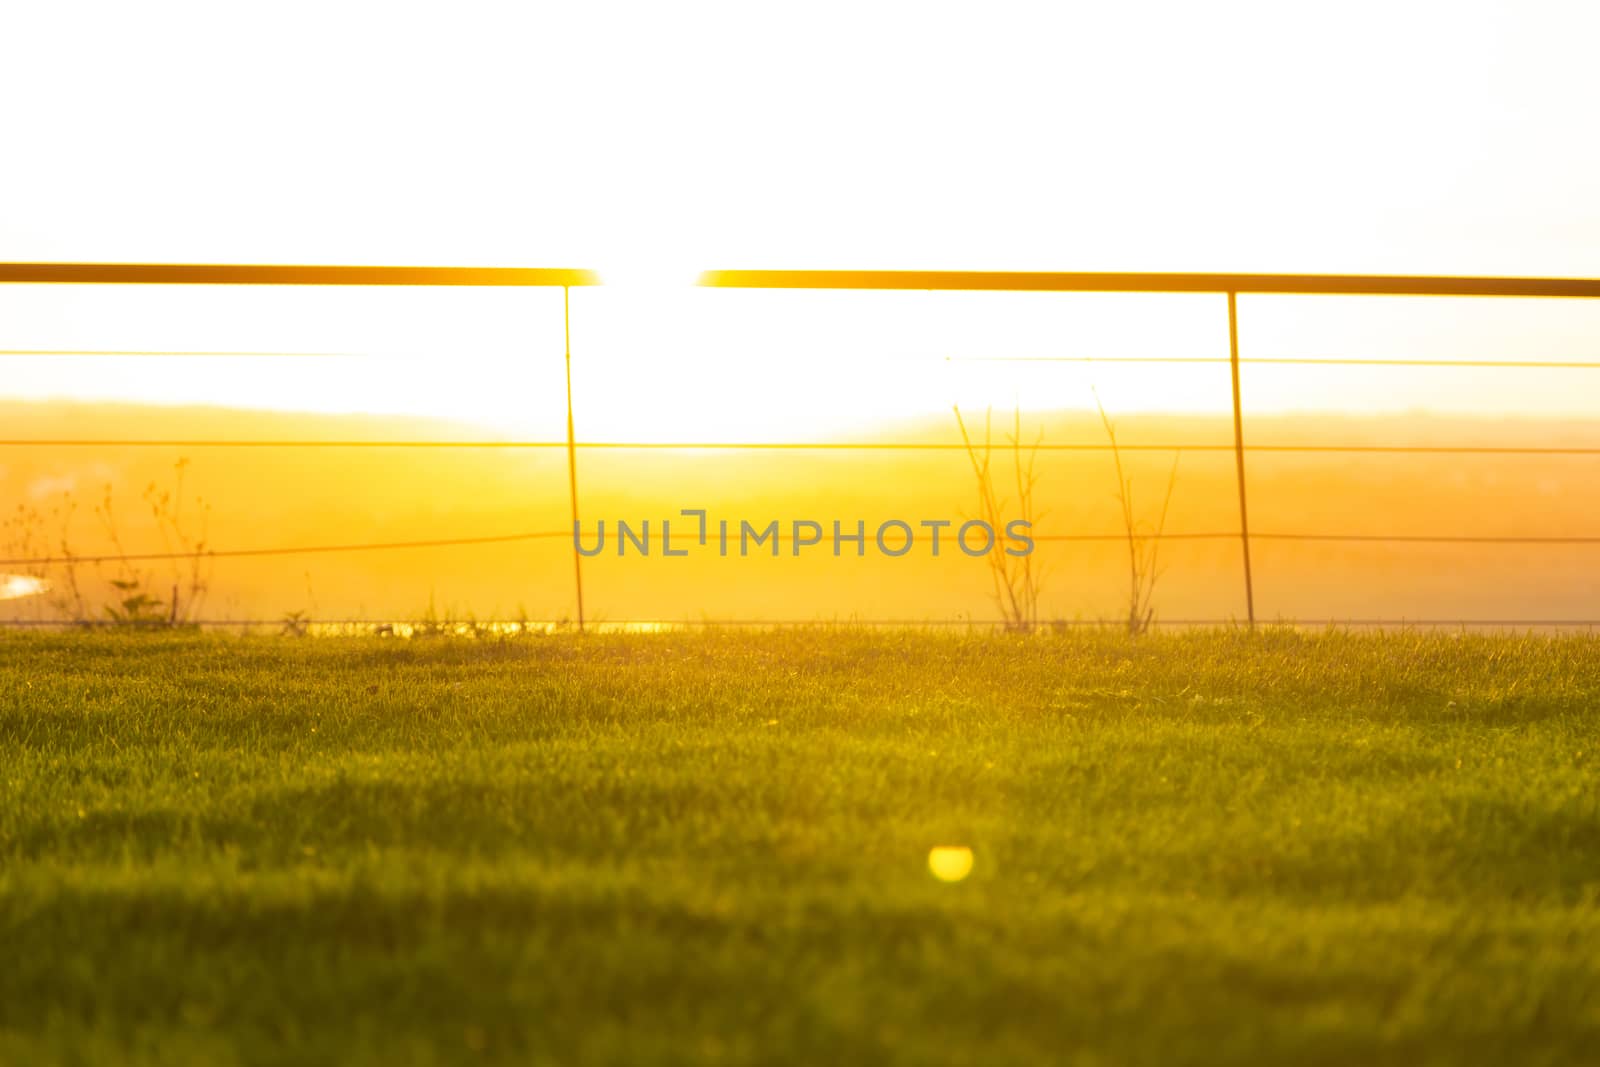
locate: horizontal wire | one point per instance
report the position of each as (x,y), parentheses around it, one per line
(151,442)
(799,446)
(163,353)
(604,625)
(1293,362)
(1431,539)
(1223,360)
(147,557)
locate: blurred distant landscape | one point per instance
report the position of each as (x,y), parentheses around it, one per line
(269,498)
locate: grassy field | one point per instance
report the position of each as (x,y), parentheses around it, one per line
(1201,848)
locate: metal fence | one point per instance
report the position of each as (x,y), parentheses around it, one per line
(1227,286)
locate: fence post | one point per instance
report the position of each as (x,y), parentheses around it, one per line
(1238,453)
(572,451)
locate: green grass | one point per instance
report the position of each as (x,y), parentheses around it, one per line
(1203,848)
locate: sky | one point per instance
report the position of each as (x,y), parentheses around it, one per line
(651,141)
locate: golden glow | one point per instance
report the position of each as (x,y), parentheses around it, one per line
(651,146)
(950,863)
(17,586)
(1242,135)
(658,361)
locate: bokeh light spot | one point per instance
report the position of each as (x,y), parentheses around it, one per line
(950,863)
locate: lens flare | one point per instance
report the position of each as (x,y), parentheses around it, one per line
(17,586)
(950,863)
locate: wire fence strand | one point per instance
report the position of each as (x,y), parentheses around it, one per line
(1288,361)
(807,446)
(1492,364)
(159,353)
(637,625)
(786,539)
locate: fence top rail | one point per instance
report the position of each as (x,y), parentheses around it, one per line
(287,274)
(1016,281)
(1145,282)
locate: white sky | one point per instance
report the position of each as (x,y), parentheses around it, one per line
(654,140)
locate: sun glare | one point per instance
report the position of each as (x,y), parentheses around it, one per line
(641,271)
(17,586)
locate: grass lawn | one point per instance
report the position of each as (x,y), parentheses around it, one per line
(1193,848)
